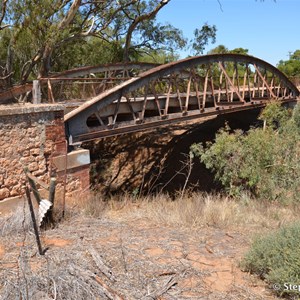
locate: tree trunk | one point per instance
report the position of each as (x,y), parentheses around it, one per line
(49,47)
(136,22)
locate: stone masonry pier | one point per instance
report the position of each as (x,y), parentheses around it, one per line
(33,136)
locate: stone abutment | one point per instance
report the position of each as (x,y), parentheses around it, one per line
(33,137)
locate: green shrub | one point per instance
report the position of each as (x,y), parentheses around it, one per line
(274,115)
(265,162)
(276,258)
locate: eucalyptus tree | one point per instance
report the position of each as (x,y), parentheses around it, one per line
(34,32)
(291,67)
(40,36)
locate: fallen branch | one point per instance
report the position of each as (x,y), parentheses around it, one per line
(100,264)
(103,287)
(111,294)
(156,294)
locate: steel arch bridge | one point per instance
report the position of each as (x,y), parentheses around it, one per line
(188,89)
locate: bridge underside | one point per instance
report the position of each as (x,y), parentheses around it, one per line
(193,88)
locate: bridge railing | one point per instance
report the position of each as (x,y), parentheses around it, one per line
(77,84)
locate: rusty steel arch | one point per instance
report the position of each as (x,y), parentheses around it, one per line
(187,89)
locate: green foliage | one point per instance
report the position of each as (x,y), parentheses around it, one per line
(296,117)
(276,258)
(291,67)
(239,51)
(51,36)
(220,49)
(203,36)
(158,56)
(263,162)
(274,115)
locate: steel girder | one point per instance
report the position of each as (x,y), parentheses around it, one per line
(191,88)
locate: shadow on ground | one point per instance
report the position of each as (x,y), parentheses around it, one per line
(153,161)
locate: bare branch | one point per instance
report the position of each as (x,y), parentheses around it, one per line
(138,20)
(70,15)
(3,12)
(220,4)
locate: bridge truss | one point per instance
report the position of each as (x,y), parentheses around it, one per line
(192,88)
(76,85)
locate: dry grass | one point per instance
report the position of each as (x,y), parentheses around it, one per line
(16,223)
(63,275)
(195,210)
(70,272)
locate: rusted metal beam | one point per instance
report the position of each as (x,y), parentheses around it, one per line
(156,100)
(116,111)
(168,97)
(144,103)
(187,98)
(178,94)
(230,82)
(15,91)
(220,86)
(205,89)
(175,118)
(130,107)
(196,87)
(212,88)
(264,81)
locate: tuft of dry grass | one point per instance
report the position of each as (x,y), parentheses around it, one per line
(62,275)
(195,210)
(16,222)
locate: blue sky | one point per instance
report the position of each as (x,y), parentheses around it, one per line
(270,30)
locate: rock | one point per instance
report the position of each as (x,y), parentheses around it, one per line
(4,193)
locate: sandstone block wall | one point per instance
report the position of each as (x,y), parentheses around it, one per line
(30,136)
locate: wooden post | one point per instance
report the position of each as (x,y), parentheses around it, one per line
(35,227)
(50,93)
(49,215)
(36,92)
(52,187)
(33,186)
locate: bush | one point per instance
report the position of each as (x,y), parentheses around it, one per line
(265,162)
(276,258)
